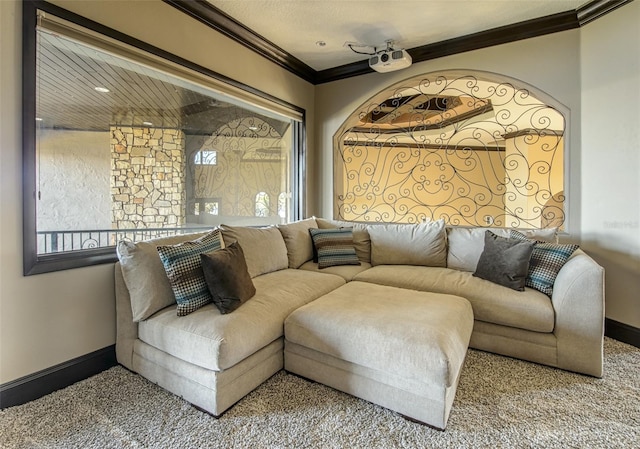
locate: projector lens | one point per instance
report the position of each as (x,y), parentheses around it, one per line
(384,57)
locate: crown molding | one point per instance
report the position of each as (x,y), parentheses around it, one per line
(213,17)
(221,22)
(496,36)
(597,9)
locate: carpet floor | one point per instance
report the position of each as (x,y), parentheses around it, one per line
(500,403)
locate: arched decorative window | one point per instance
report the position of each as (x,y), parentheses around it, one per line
(474,148)
(262,204)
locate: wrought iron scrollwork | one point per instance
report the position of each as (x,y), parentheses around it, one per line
(249,159)
(461,147)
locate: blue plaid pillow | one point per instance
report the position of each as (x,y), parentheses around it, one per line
(184,270)
(334,247)
(546,261)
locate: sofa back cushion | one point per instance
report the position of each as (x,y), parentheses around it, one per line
(409,244)
(361,238)
(144,274)
(264,248)
(466,244)
(298,241)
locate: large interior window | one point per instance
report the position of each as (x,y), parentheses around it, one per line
(123,144)
(473,148)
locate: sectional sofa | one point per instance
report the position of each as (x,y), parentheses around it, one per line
(213,359)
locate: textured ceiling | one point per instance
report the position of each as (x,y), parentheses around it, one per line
(296,25)
(68,73)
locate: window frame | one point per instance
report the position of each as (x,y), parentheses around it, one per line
(34,263)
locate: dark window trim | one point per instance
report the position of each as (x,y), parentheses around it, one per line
(215,18)
(32,262)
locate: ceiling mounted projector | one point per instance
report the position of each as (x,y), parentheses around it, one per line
(390,60)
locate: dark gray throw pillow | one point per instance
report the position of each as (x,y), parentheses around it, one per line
(227,277)
(504,261)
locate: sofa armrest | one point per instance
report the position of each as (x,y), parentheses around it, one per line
(126,329)
(578,301)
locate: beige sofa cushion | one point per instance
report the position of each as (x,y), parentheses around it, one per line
(530,309)
(145,276)
(347,272)
(298,241)
(409,244)
(418,336)
(264,248)
(214,341)
(466,244)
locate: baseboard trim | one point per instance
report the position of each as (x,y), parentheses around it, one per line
(47,381)
(622,332)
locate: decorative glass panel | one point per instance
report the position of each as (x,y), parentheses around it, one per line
(474,149)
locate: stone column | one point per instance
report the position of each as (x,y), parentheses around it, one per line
(147,177)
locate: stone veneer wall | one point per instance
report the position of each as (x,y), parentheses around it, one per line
(147,177)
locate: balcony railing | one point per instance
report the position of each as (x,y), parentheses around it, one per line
(50,242)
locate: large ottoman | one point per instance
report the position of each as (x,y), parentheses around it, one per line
(398,348)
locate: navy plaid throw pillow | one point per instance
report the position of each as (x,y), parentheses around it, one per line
(546,261)
(184,270)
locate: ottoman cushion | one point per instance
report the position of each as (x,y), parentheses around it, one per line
(401,334)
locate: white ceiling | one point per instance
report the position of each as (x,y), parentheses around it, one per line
(296,25)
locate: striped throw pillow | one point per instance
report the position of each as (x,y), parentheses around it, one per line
(334,247)
(183,267)
(546,261)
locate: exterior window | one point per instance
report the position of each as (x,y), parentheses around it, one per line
(120,146)
(206,157)
(282,205)
(475,149)
(262,204)
(208,207)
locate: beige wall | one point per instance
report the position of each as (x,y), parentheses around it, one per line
(610,69)
(50,318)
